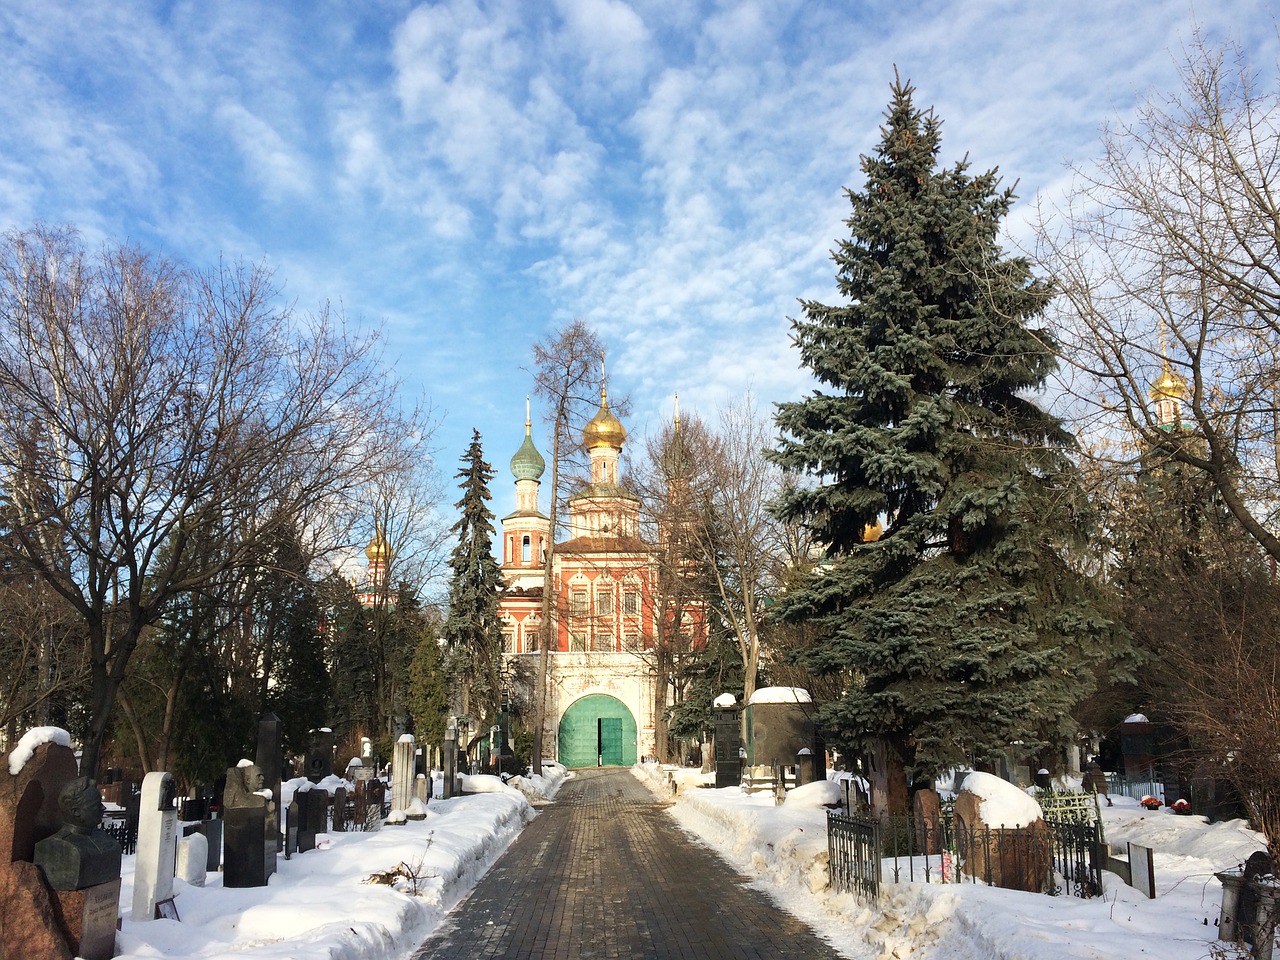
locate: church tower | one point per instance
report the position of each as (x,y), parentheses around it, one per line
(525,531)
(602,508)
(1168,393)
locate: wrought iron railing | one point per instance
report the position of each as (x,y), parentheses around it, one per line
(865,851)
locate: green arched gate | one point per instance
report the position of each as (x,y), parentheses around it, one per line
(598,730)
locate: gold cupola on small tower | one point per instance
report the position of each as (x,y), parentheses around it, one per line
(1168,393)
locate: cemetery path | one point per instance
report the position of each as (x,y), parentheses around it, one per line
(604,873)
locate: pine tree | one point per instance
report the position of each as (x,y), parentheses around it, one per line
(428,692)
(962,630)
(472,629)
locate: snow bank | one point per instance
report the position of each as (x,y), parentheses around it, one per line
(783,850)
(819,795)
(1003,804)
(26,747)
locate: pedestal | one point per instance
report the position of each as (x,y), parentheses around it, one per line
(89,917)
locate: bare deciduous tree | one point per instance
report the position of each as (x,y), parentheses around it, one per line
(170,407)
(1167,259)
(568,375)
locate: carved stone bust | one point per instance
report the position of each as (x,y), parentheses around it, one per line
(243,789)
(79,855)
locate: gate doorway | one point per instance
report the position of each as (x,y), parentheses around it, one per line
(598,730)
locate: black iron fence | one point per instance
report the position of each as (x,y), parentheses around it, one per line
(853,853)
(1058,857)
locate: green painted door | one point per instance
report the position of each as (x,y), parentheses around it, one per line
(611,741)
(597,729)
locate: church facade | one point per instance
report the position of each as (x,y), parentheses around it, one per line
(603,612)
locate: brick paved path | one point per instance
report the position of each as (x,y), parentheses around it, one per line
(604,872)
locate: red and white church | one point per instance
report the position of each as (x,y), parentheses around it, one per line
(601,700)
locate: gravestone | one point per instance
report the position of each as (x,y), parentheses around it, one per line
(313,808)
(402,772)
(927,808)
(269,759)
(82,865)
(375,796)
(157,840)
(339,810)
(728,741)
(250,829)
(1142,872)
(422,788)
(292,813)
(193,856)
(320,755)
(1011,856)
(449,760)
(212,830)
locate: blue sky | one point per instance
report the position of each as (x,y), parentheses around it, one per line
(468,175)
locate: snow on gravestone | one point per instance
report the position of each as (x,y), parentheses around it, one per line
(1001,834)
(39,766)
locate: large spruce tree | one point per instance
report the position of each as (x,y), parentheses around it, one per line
(473,630)
(963,631)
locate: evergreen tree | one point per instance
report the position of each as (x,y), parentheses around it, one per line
(964,629)
(472,629)
(428,688)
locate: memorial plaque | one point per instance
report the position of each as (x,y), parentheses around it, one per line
(98,921)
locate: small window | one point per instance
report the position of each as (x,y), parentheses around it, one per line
(578,603)
(604,603)
(508,641)
(631,643)
(631,603)
(526,549)
(604,642)
(531,639)
(577,641)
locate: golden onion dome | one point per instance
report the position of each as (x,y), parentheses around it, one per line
(872,532)
(1170,385)
(604,430)
(378,549)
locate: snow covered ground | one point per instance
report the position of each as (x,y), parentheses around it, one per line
(320,905)
(785,850)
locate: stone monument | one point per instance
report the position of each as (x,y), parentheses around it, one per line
(402,772)
(250,828)
(157,845)
(82,865)
(38,767)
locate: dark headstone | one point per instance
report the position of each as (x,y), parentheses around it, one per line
(251,829)
(320,756)
(270,754)
(212,830)
(246,853)
(339,810)
(728,746)
(292,814)
(313,808)
(375,795)
(449,765)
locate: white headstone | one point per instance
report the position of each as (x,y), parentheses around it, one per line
(193,858)
(157,841)
(402,773)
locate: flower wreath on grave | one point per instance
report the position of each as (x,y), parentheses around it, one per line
(1150,802)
